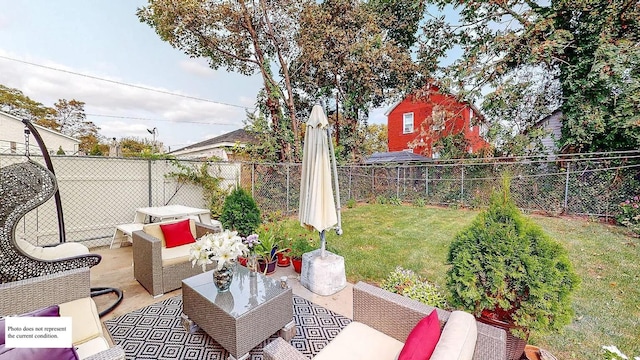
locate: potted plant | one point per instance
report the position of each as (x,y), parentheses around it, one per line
(267,250)
(240,213)
(509,273)
(299,246)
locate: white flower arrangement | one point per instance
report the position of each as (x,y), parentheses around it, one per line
(223,247)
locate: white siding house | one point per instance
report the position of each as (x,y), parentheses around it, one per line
(552,126)
(219,146)
(12,137)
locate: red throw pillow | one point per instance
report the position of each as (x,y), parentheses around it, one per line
(422,339)
(177,234)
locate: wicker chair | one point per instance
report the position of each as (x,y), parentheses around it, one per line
(154,271)
(395,316)
(22,296)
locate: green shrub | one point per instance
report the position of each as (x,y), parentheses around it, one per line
(419,202)
(394,200)
(630,214)
(240,213)
(408,283)
(505,263)
(351,203)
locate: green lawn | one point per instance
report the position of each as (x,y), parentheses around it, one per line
(377,238)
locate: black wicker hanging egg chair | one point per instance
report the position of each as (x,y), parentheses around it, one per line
(23,187)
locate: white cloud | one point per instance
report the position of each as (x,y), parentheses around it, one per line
(196,67)
(174,115)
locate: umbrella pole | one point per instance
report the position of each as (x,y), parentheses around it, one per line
(323,244)
(336,182)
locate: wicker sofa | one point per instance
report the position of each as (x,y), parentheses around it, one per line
(379,314)
(158,269)
(70,290)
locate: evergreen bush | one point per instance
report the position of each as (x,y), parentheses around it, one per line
(240,213)
(505,263)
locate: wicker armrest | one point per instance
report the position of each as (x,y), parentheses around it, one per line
(22,296)
(279,349)
(382,310)
(114,353)
(202,229)
(147,261)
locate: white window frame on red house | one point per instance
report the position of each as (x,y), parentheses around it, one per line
(405,118)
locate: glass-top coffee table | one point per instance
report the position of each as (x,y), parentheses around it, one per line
(254,308)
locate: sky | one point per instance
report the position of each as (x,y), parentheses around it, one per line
(74,42)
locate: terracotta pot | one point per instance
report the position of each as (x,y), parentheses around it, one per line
(283,258)
(515,346)
(297,264)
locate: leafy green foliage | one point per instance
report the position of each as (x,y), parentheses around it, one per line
(524,59)
(301,245)
(242,37)
(240,213)
(630,214)
(351,203)
(345,48)
(503,262)
(214,194)
(408,283)
(419,202)
(60,151)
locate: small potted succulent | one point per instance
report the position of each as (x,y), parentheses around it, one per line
(509,273)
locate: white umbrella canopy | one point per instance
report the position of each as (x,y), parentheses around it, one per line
(317,205)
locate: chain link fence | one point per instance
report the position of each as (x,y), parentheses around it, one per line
(98,193)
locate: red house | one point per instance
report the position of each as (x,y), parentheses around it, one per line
(418,121)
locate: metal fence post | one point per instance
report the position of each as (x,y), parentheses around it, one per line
(350,175)
(288,189)
(566,190)
(149,181)
(426,181)
(398,182)
(253,180)
(373,181)
(462,186)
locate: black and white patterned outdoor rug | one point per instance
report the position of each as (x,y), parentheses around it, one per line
(155,332)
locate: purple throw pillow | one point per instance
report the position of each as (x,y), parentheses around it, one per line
(38,354)
(50,311)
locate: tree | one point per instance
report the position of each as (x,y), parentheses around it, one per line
(375,139)
(16,103)
(346,49)
(523,59)
(245,37)
(134,147)
(71,120)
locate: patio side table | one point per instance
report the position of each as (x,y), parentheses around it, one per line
(254,308)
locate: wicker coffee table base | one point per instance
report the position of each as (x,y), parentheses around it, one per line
(286,333)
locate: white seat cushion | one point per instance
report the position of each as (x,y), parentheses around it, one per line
(175,255)
(358,341)
(85,321)
(61,251)
(458,338)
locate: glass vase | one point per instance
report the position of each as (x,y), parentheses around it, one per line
(252,264)
(222,278)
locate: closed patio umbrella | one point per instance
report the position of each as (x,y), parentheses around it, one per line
(317,205)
